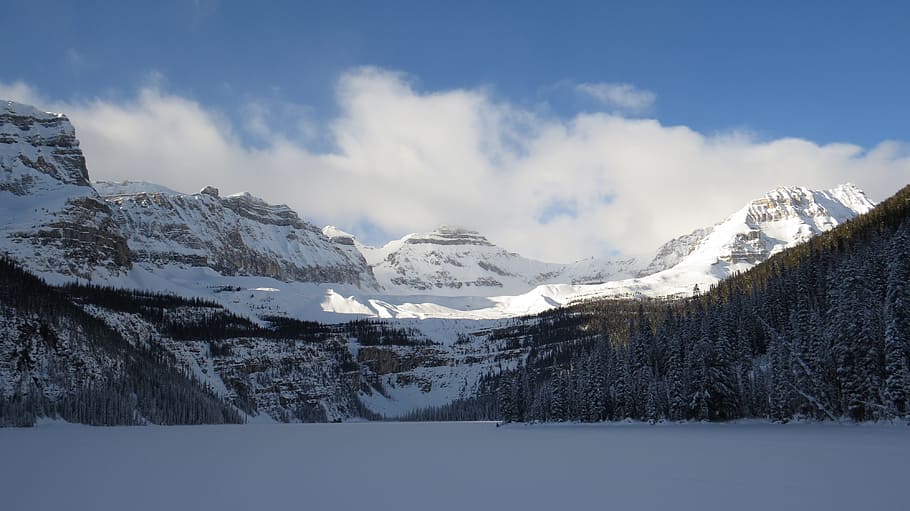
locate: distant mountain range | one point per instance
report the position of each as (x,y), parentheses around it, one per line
(64,227)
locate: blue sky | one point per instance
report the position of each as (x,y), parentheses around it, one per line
(302,86)
(827,71)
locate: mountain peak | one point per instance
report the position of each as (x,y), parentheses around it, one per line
(337,235)
(39,143)
(851,195)
(119,188)
(822,208)
(13,108)
(449,235)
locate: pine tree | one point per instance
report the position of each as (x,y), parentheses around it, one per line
(897,326)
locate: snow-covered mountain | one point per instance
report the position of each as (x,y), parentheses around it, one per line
(147,236)
(455,261)
(59,225)
(52,218)
(782,218)
(234,235)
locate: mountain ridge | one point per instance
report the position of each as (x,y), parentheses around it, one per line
(135,233)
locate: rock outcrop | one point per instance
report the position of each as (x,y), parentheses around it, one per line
(54,221)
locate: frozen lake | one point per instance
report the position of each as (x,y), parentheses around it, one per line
(456,466)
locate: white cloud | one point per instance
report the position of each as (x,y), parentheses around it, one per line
(408,160)
(20,92)
(623,96)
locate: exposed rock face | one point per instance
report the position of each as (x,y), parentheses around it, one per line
(42,142)
(384,360)
(82,238)
(450,235)
(289,380)
(54,221)
(234,235)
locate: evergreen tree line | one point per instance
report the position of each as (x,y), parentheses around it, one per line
(138,384)
(480,408)
(379,333)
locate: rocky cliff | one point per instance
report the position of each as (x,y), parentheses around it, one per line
(53,220)
(237,235)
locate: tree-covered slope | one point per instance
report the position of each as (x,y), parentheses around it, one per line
(56,360)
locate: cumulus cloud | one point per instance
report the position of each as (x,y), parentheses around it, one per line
(623,96)
(406,160)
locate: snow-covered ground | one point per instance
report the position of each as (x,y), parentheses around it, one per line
(456,466)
